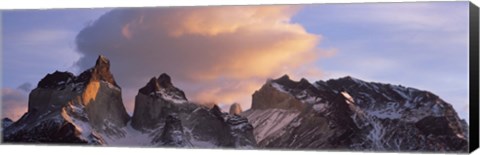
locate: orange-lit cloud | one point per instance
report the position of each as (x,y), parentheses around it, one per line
(217,54)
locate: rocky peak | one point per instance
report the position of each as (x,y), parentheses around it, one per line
(284,77)
(294,86)
(102,62)
(304,81)
(56,80)
(276,94)
(163,87)
(217,112)
(285,81)
(101,71)
(90,103)
(345,82)
(165,81)
(235,109)
(151,87)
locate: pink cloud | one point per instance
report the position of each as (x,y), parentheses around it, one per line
(215,54)
(14,103)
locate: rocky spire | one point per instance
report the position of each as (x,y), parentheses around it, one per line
(152,86)
(164,81)
(102,62)
(217,112)
(235,109)
(284,78)
(286,81)
(101,71)
(173,132)
(163,86)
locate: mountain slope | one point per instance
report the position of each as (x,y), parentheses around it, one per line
(72,109)
(162,110)
(88,109)
(348,113)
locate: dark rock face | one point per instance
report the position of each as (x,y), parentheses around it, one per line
(157,100)
(101,71)
(6,122)
(56,80)
(351,114)
(161,109)
(72,109)
(269,97)
(172,135)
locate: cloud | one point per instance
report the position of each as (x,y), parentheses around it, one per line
(14,103)
(215,54)
(25,87)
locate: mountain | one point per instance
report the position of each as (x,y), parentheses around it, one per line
(351,114)
(65,108)
(162,110)
(88,109)
(338,114)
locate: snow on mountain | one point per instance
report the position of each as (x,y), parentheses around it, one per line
(269,121)
(88,109)
(72,109)
(345,113)
(349,113)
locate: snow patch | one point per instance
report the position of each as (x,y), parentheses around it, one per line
(349,98)
(132,138)
(401,93)
(111,86)
(267,122)
(170,96)
(278,87)
(319,107)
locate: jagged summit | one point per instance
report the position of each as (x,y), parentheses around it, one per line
(56,80)
(284,77)
(275,94)
(162,110)
(79,109)
(285,80)
(88,109)
(344,113)
(289,84)
(101,71)
(61,80)
(165,81)
(151,87)
(349,113)
(102,61)
(162,87)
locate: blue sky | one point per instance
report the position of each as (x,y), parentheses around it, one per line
(421,45)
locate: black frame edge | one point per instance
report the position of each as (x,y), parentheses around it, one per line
(474,77)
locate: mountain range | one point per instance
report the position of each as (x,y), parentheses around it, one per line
(337,114)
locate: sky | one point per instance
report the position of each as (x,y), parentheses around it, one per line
(223,54)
